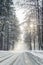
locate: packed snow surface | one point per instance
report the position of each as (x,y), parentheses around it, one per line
(21,58)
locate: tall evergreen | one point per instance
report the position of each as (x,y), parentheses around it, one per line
(5,13)
(9,31)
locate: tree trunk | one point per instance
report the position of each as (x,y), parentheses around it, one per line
(1,41)
(42,26)
(39,41)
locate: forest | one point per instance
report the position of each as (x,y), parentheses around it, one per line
(21,25)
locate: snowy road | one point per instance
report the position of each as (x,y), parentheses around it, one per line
(22,58)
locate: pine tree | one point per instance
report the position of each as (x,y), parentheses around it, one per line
(5,13)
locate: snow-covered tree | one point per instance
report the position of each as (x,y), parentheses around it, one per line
(8,25)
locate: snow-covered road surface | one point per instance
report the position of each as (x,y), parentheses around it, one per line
(21,58)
